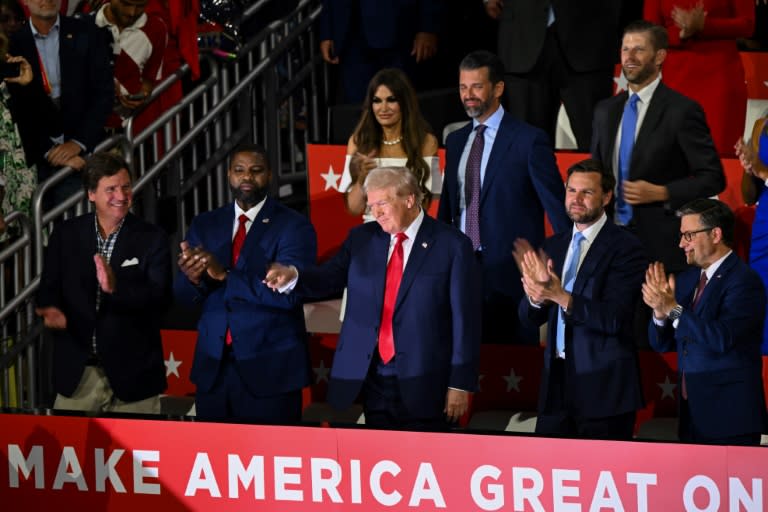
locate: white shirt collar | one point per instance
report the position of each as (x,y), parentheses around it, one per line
(251,213)
(646,93)
(710,271)
(494,120)
(413,229)
(592,231)
(37,33)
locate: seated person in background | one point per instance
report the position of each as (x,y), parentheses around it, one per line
(138,42)
(753,156)
(17,179)
(104,289)
(391,132)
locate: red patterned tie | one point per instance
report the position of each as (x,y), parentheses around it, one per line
(237,244)
(472,187)
(394,275)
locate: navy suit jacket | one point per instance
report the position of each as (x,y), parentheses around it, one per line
(436,322)
(269,339)
(718,348)
(673,148)
(127,325)
(390,24)
(87,90)
(521,182)
(599,340)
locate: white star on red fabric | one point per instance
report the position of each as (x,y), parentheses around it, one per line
(513,381)
(667,388)
(172,366)
(331,179)
(321,372)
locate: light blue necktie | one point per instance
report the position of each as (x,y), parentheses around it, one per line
(569,277)
(628,127)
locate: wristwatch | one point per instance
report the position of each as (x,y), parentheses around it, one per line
(676,312)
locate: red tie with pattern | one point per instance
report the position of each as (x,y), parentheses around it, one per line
(394,275)
(237,244)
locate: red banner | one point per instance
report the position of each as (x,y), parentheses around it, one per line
(114,465)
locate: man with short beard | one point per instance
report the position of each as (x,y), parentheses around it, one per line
(585,284)
(670,160)
(517,182)
(251,358)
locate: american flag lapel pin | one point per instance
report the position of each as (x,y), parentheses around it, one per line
(265,221)
(424,245)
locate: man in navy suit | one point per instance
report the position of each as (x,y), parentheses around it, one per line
(412,349)
(587,293)
(713,315)
(105,286)
(61,114)
(519,181)
(365,36)
(251,358)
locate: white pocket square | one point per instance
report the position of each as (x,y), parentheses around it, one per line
(131,262)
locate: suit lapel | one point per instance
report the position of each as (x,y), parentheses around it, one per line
(379,250)
(503,138)
(258,227)
(712,289)
(648,130)
(612,126)
(419,250)
(593,257)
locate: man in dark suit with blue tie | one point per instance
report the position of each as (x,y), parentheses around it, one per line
(500,178)
(61,114)
(251,358)
(410,337)
(585,284)
(713,315)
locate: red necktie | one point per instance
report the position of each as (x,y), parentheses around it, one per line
(237,244)
(696,300)
(699,290)
(394,275)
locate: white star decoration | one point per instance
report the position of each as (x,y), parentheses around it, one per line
(172,366)
(513,381)
(667,388)
(621,82)
(331,179)
(321,372)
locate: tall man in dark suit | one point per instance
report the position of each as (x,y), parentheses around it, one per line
(410,337)
(586,292)
(251,357)
(657,144)
(61,114)
(713,315)
(365,36)
(554,51)
(499,180)
(104,288)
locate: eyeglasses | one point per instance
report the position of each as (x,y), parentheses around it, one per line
(688,235)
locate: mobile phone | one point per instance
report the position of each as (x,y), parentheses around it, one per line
(10,69)
(136,97)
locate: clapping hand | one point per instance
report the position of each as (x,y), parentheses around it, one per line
(659,290)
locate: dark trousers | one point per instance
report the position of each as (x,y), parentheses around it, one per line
(384,409)
(559,418)
(688,432)
(535,96)
(229,399)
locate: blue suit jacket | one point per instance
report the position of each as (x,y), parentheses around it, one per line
(521,182)
(388,24)
(87,90)
(127,325)
(436,321)
(268,334)
(599,341)
(718,348)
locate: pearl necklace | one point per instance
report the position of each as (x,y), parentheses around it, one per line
(392,142)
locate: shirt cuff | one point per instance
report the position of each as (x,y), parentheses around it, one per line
(290,285)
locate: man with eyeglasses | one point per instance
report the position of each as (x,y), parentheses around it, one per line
(410,342)
(713,315)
